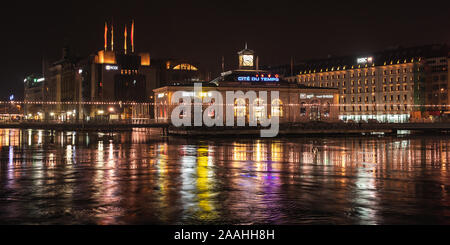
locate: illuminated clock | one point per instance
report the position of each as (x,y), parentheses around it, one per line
(247,60)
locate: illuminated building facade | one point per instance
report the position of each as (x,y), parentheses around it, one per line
(388,86)
(33,91)
(296,102)
(63,83)
(175,70)
(109,75)
(437,84)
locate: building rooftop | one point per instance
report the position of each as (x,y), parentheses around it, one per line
(255,78)
(385,57)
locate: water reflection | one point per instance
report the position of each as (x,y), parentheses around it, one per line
(49,177)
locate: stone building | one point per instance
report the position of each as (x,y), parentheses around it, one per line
(296,102)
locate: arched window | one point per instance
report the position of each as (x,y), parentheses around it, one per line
(327,109)
(186,67)
(239,108)
(277,108)
(315,111)
(303,109)
(211,113)
(258,107)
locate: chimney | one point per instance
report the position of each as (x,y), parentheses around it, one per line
(106,36)
(257,62)
(65,52)
(125,39)
(132,36)
(112,35)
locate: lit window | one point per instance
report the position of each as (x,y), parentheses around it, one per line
(239,108)
(277,108)
(258,106)
(186,67)
(302,109)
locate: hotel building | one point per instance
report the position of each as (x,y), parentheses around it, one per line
(296,102)
(398,85)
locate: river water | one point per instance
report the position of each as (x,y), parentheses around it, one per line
(140,177)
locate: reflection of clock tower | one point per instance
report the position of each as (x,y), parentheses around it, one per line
(246,59)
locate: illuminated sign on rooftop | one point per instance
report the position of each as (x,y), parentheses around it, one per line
(258,79)
(364,60)
(35,80)
(110,67)
(319,96)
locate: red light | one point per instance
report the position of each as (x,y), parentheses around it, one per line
(270,75)
(262,75)
(276,75)
(257,75)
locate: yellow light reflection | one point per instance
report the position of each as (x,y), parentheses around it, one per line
(204,185)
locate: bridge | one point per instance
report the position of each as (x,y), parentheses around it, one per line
(85,125)
(318,128)
(284,128)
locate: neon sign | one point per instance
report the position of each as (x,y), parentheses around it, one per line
(319,96)
(364,60)
(258,79)
(109,67)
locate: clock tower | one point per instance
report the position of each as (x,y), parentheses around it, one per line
(246,59)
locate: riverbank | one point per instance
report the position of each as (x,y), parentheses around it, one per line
(284,129)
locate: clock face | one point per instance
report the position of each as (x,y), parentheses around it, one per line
(247,60)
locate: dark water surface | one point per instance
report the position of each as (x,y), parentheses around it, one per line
(141,178)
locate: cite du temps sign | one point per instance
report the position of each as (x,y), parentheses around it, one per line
(258,79)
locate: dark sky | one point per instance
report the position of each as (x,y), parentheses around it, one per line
(204,31)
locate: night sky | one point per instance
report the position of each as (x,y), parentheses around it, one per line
(204,31)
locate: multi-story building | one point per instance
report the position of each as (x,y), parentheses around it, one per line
(33,91)
(99,85)
(388,86)
(295,103)
(62,83)
(437,84)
